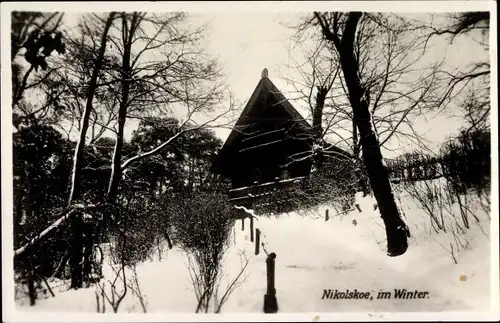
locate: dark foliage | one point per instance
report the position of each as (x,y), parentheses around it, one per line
(138,222)
(39,41)
(465,162)
(42,164)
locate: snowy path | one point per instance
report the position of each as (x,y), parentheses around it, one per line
(313,255)
(316,255)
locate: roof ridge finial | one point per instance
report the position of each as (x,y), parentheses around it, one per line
(265,73)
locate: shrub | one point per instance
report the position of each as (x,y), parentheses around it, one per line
(335,183)
(201,226)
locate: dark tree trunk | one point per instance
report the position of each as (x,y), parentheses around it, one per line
(76,251)
(31,287)
(88,244)
(78,159)
(191,175)
(360,173)
(318,113)
(75,193)
(396,230)
(126,74)
(18,211)
(116,172)
(317,124)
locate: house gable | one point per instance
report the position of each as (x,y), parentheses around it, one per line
(270,140)
(267,114)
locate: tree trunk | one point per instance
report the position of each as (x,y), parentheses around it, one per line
(88,244)
(18,211)
(358,163)
(317,124)
(78,159)
(396,230)
(318,113)
(116,171)
(75,192)
(76,258)
(126,74)
(31,287)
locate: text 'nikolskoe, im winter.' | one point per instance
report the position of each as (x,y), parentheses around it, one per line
(355,294)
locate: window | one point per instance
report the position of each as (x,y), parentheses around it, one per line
(285,174)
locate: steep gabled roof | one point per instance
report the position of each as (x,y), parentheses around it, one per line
(265,88)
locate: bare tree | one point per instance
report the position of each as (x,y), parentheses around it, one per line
(463,23)
(385,67)
(85,119)
(202,225)
(472,79)
(340,30)
(181,76)
(395,69)
(118,289)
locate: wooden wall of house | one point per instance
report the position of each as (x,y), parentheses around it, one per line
(268,143)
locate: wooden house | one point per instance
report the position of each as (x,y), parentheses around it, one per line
(269,146)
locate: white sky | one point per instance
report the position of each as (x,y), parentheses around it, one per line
(247,42)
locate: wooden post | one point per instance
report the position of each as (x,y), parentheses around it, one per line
(326,215)
(76,251)
(31,288)
(88,244)
(242,224)
(159,248)
(169,241)
(251,228)
(270,301)
(257,241)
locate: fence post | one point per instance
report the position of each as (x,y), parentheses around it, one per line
(88,247)
(270,301)
(76,228)
(251,228)
(257,241)
(31,287)
(242,224)
(326,215)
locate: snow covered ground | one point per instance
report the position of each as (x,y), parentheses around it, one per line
(345,253)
